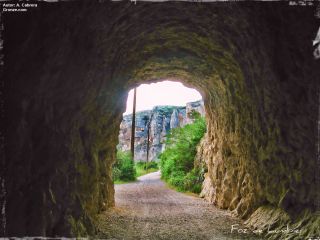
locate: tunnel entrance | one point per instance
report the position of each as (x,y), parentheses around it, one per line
(161,108)
(171,118)
(66,86)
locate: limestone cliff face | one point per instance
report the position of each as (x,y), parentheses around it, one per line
(163,118)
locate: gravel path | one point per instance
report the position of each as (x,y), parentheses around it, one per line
(148,209)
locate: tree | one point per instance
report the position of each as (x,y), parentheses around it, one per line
(133,126)
(148,139)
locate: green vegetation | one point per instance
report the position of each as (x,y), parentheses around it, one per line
(143,168)
(177,161)
(124,170)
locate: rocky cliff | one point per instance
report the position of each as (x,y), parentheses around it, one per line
(160,119)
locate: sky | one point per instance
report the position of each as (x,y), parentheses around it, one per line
(161,93)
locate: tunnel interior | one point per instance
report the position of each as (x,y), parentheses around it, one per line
(69,66)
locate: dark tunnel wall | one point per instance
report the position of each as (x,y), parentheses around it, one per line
(68,68)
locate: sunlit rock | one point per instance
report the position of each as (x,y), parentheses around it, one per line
(163,119)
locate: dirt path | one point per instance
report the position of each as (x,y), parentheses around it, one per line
(148,209)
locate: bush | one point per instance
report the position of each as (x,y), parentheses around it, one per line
(152,164)
(177,161)
(143,168)
(116,173)
(177,179)
(123,168)
(193,180)
(148,165)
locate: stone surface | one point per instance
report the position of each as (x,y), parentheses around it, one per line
(163,119)
(69,66)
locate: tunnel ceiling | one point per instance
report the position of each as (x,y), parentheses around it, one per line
(69,67)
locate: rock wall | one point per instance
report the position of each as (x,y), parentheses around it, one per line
(69,66)
(163,119)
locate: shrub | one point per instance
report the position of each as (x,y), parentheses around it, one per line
(148,165)
(124,169)
(193,180)
(152,164)
(116,173)
(143,168)
(177,179)
(177,160)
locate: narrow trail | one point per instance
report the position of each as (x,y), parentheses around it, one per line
(148,209)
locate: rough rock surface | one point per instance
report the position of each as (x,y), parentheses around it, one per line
(69,66)
(163,119)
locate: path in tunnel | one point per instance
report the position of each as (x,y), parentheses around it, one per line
(148,209)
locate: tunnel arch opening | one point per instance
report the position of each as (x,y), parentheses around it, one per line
(251,87)
(161,107)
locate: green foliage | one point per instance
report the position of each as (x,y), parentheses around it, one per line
(148,165)
(177,161)
(116,173)
(152,164)
(193,180)
(143,168)
(194,115)
(123,169)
